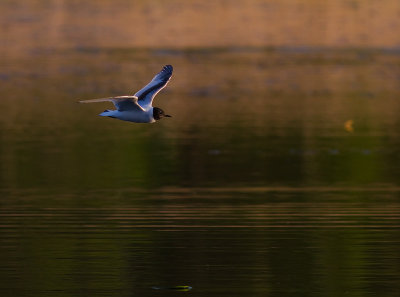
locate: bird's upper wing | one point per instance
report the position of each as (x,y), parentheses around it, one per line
(146,95)
(122,103)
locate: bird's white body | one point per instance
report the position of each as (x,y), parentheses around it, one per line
(137,116)
(138,108)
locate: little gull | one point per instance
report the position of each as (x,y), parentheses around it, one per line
(138,108)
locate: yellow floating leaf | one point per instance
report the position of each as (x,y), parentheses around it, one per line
(348,126)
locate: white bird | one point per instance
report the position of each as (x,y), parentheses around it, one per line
(138,108)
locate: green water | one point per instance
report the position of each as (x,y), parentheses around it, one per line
(255,186)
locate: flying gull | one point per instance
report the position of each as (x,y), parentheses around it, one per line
(138,108)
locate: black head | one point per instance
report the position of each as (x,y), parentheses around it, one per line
(158,113)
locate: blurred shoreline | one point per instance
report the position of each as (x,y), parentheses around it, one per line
(285,24)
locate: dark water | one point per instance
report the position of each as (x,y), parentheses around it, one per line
(278,174)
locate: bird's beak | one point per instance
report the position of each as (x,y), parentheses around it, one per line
(168,116)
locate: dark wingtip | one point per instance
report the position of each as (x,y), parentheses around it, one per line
(168,68)
(166,73)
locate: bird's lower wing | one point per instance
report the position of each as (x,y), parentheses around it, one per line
(112,99)
(122,103)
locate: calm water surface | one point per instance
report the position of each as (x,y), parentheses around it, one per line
(276,176)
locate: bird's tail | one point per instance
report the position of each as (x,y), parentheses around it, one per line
(106,113)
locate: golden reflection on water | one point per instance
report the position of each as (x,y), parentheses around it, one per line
(257,109)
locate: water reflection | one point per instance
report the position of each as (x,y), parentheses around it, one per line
(256,187)
(216,246)
(281,116)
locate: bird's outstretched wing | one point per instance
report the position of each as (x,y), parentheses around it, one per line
(145,96)
(122,103)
